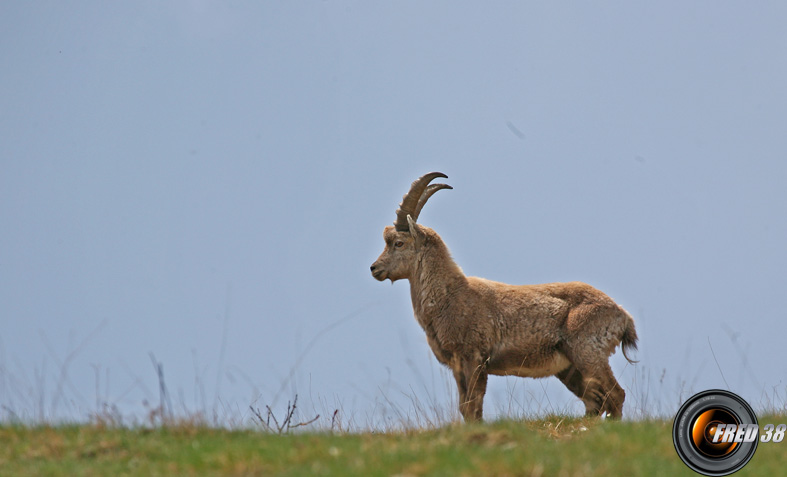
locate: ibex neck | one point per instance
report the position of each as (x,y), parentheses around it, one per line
(435,281)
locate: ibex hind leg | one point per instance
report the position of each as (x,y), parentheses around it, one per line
(596,387)
(576,383)
(610,394)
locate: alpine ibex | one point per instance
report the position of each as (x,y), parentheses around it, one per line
(479,327)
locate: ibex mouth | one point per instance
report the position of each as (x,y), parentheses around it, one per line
(378,272)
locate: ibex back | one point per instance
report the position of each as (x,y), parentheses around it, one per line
(479,327)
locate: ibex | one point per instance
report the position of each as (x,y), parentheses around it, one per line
(479,327)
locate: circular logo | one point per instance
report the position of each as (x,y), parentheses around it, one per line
(715,432)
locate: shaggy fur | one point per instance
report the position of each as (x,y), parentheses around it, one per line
(479,327)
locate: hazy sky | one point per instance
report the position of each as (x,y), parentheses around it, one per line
(207,182)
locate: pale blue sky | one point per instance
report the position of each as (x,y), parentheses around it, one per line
(178,175)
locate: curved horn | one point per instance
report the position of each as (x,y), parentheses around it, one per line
(411,200)
(425,196)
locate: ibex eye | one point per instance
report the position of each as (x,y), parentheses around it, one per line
(398,244)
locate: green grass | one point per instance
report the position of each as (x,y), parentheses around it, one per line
(554,446)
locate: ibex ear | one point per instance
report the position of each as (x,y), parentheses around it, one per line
(415,230)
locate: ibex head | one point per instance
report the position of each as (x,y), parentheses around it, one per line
(402,239)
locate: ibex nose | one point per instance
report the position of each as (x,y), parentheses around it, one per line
(377,272)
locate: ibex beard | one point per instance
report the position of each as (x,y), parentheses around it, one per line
(478,327)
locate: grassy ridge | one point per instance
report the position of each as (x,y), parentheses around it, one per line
(551,447)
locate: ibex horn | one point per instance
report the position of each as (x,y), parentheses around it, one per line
(414,200)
